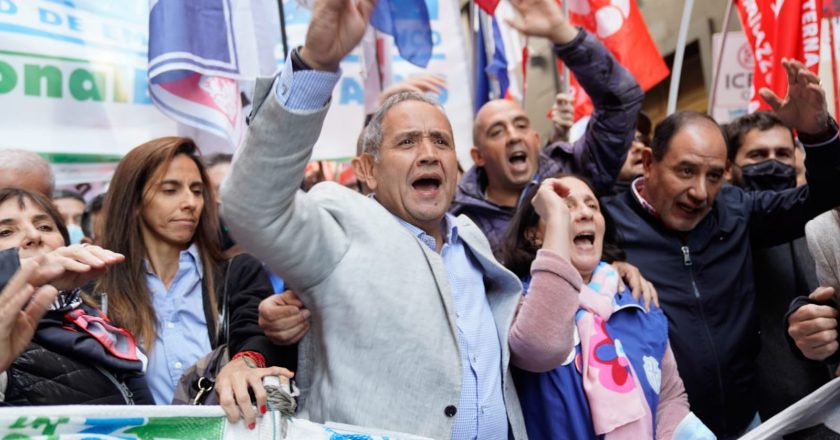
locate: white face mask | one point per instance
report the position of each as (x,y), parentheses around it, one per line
(76,234)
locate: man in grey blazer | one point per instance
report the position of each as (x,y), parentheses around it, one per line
(410,311)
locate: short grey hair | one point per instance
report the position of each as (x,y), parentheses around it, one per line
(372,135)
(27,161)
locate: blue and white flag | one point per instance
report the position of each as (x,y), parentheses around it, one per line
(408,22)
(200,49)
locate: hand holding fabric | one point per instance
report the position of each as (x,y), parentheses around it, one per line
(639,286)
(233,384)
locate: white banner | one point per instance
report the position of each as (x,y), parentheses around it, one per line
(73,78)
(732,96)
(97,422)
(449,59)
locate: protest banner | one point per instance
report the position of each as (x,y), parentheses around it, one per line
(98,422)
(73,79)
(732,96)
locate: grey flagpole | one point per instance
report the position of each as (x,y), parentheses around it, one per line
(679,55)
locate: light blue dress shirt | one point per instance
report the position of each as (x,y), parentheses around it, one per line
(481,409)
(182,327)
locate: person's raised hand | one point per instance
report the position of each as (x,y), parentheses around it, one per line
(562,116)
(336,28)
(21,307)
(804,108)
(69,267)
(426,83)
(542,18)
(550,205)
(813,327)
(284,318)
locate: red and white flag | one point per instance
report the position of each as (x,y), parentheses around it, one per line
(620,26)
(778,29)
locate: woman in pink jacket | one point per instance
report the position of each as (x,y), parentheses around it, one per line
(593,362)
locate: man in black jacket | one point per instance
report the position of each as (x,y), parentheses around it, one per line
(762,152)
(691,235)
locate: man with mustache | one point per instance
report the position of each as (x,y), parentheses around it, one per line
(692,235)
(762,150)
(506,148)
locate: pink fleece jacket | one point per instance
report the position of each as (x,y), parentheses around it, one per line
(542,335)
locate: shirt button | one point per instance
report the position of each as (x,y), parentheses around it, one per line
(178,365)
(475,359)
(283,89)
(170,325)
(450,411)
(482,410)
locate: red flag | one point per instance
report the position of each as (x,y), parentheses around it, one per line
(779,29)
(489,6)
(620,26)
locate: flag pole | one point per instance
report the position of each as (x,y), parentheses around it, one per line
(679,54)
(283,29)
(716,74)
(566,80)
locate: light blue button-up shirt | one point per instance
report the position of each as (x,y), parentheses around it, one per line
(481,409)
(182,327)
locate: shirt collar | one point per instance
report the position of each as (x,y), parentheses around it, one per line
(637,186)
(450,237)
(189,256)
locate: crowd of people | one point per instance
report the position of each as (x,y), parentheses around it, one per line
(675,282)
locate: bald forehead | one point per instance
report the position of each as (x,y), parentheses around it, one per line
(492,111)
(32,180)
(700,136)
(496,107)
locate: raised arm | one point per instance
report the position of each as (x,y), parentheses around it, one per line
(777,217)
(541,336)
(296,237)
(615,94)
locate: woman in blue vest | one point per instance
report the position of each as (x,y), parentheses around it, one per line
(593,363)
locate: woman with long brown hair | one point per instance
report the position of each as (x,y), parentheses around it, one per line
(160,214)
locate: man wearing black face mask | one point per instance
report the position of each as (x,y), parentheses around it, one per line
(761,150)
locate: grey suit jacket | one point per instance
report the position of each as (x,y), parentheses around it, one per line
(823,233)
(382,350)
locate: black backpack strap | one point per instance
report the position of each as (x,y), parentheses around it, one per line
(223,335)
(219,334)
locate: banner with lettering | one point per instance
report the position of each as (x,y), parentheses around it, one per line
(96,422)
(734,86)
(73,79)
